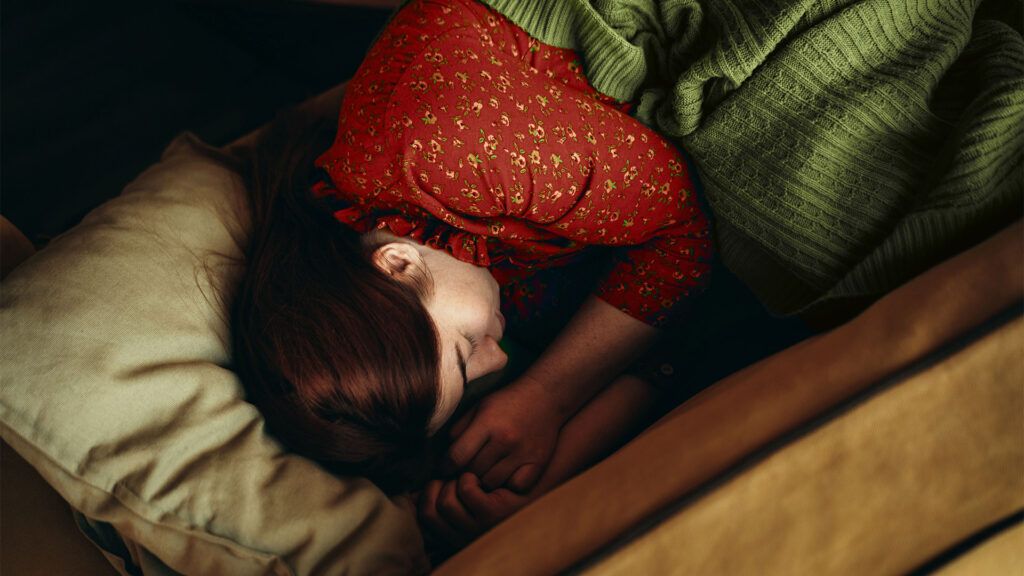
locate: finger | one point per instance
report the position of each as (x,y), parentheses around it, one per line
(466,447)
(524,478)
(425,503)
(499,474)
(460,425)
(454,513)
(424,494)
(430,517)
(489,455)
(477,502)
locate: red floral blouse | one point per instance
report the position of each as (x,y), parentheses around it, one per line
(461,131)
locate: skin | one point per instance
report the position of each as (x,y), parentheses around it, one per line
(459,509)
(569,409)
(511,434)
(465,308)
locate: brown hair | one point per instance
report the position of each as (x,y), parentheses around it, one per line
(341,359)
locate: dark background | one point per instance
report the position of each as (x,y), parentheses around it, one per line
(92,91)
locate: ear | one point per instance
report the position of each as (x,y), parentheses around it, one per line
(398,260)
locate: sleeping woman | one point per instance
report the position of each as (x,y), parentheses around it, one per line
(477,187)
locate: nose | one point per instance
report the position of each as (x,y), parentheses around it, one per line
(501,359)
(489,358)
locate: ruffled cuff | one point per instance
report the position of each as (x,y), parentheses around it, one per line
(463,245)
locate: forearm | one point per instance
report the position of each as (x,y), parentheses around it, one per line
(599,342)
(610,419)
(460,508)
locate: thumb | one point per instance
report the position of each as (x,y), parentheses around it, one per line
(464,447)
(462,423)
(524,478)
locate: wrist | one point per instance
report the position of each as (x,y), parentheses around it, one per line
(544,393)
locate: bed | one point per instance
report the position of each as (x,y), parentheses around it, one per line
(887,444)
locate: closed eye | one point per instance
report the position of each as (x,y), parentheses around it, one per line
(472,344)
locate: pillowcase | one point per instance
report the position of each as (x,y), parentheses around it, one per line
(116,388)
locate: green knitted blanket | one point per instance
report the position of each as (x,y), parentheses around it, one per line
(844,145)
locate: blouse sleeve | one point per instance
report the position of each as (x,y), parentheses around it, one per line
(511,142)
(622,185)
(642,200)
(572,165)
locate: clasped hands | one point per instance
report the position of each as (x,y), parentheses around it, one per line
(500,450)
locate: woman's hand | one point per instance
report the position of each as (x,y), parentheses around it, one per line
(459,510)
(508,438)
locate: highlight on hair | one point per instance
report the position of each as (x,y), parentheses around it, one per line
(342,360)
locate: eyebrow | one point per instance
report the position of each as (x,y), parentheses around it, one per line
(462,366)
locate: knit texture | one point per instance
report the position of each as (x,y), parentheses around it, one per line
(844,146)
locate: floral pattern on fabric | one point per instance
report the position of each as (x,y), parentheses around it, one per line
(461,131)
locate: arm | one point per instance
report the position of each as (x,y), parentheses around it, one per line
(621,186)
(511,434)
(609,420)
(460,509)
(598,343)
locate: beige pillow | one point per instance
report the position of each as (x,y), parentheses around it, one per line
(116,388)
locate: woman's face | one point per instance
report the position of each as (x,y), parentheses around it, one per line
(465,307)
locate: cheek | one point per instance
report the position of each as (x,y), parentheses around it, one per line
(456,396)
(478,301)
(488,287)
(450,398)
(448,401)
